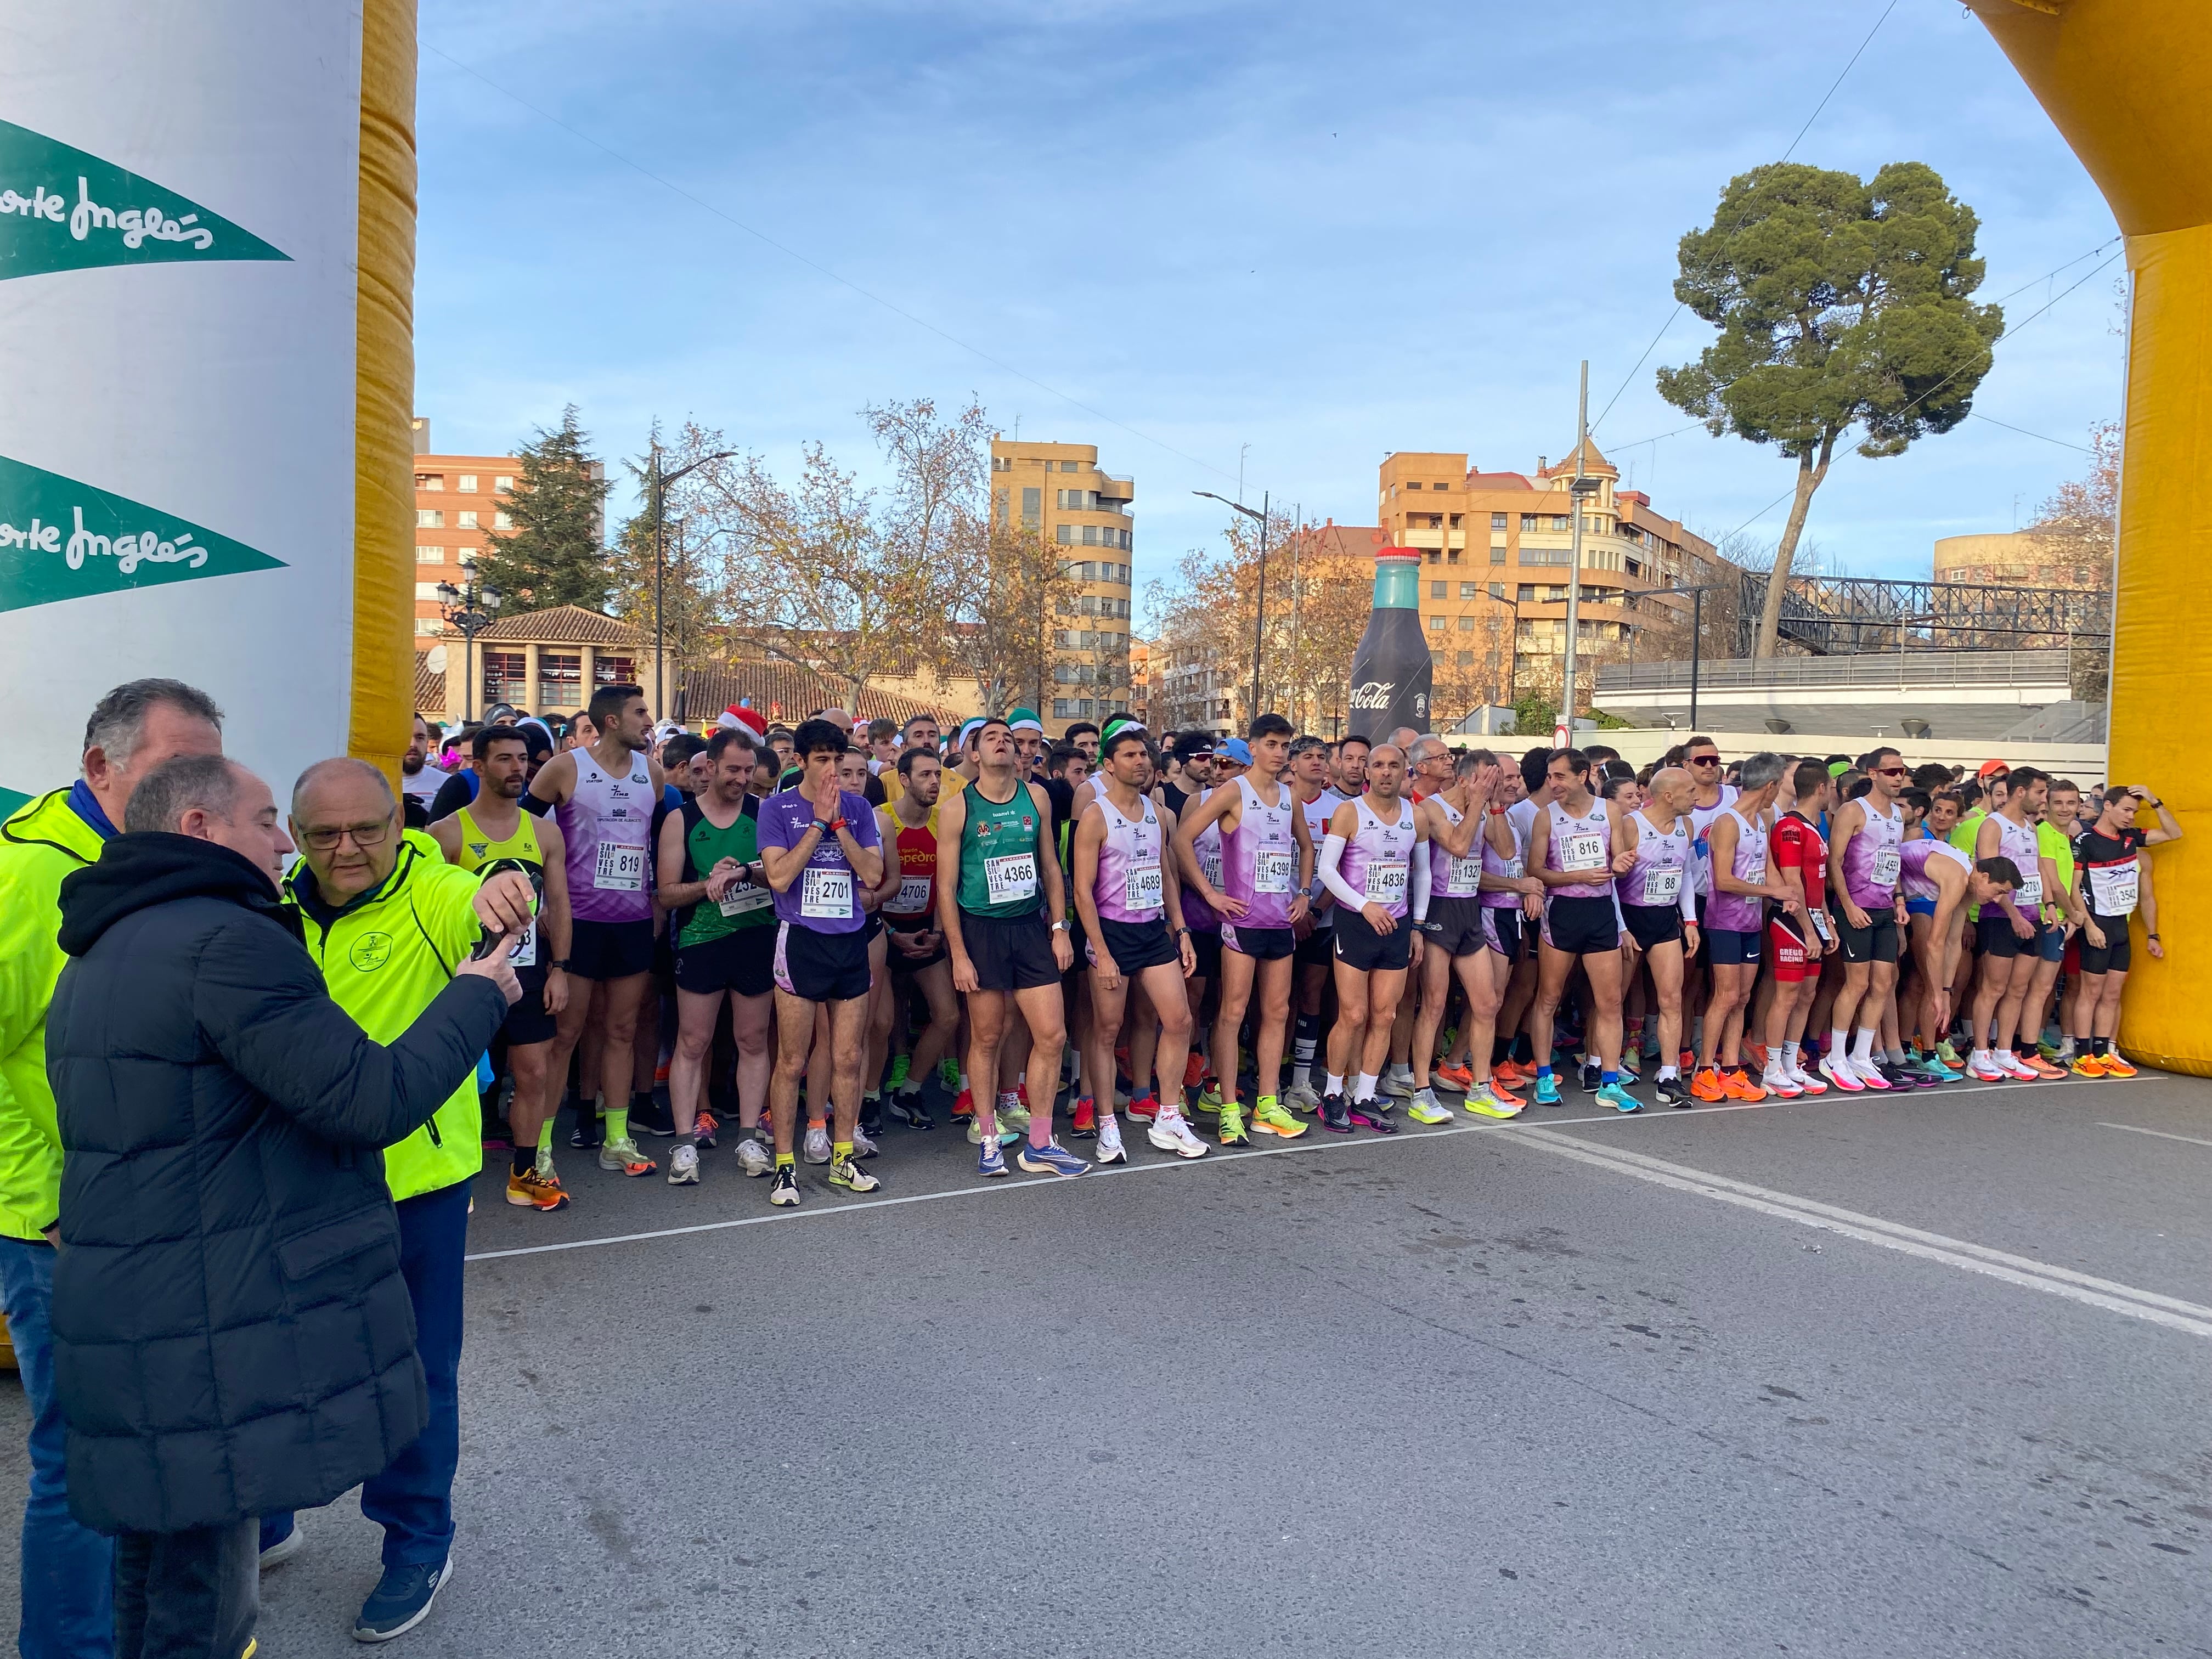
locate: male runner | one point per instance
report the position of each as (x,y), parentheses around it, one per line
(419,780)
(2006,933)
(819,847)
(1125,893)
(919,961)
(1658,908)
(1372,860)
(2114,860)
(722,914)
(1267,859)
(1461,827)
(2065,915)
(1574,850)
(1348,767)
(1864,848)
(1317,799)
(1736,922)
(603,798)
(1938,872)
(995,836)
(1798,938)
(494,829)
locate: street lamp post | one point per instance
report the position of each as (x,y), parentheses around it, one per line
(1260,621)
(1697,631)
(471,608)
(660,483)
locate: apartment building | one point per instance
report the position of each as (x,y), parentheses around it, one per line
(1059,490)
(457,499)
(1497,550)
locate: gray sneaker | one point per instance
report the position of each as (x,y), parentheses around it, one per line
(818,1146)
(754,1158)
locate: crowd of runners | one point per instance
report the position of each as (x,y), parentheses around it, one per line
(800,929)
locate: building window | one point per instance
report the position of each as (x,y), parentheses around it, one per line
(1498,591)
(501,485)
(1436,624)
(1435,557)
(1032,508)
(468,521)
(1467,625)
(560,679)
(614,670)
(429,481)
(1560,522)
(1455,518)
(1497,556)
(1436,590)
(503,672)
(1069,466)
(1452,557)
(1001,464)
(503,519)
(429,555)
(1525,594)
(1469,590)
(1465,659)
(468,483)
(1497,521)
(429,518)
(1064,534)
(1412,483)
(429,625)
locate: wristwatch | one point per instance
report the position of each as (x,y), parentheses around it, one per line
(562,962)
(822,825)
(1059,927)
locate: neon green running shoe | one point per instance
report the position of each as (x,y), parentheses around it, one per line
(1949,1055)
(1424,1108)
(1231,1128)
(1271,1117)
(948,1071)
(900,1066)
(1209,1097)
(1485,1102)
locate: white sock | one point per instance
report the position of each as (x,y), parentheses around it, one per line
(1301,1076)
(1364,1088)
(964,1079)
(1398,1069)
(1331,1084)
(1670,1071)
(1839,1045)
(1789,1056)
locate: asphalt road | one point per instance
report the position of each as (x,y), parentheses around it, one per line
(1562,1387)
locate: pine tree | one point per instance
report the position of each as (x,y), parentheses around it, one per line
(554,554)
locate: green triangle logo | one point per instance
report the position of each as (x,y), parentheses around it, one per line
(60,539)
(63,210)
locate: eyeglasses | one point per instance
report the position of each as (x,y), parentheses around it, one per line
(1890,771)
(364,834)
(1705,760)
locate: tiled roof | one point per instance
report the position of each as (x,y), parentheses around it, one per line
(1360,540)
(429,688)
(562,624)
(1592,462)
(1498,480)
(780,691)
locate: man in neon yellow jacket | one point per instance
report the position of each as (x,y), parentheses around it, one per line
(68,1570)
(387,920)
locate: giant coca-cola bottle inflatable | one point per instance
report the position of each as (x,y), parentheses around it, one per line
(1391,672)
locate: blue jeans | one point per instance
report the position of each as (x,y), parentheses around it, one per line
(413,1499)
(69,1571)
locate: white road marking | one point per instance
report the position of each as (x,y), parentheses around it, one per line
(2161,1133)
(2023,1270)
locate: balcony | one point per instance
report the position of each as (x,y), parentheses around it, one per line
(1115,487)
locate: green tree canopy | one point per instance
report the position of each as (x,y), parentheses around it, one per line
(1841,305)
(554,554)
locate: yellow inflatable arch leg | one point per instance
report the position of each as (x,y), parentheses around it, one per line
(2128,82)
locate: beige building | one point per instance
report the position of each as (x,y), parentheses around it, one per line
(457,499)
(2021,559)
(1058,490)
(1496,551)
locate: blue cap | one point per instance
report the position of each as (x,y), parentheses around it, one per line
(1236,749)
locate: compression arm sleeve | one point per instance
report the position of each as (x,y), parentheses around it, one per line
(1332,852)
(1687,898)
(1422,871)
(537,806)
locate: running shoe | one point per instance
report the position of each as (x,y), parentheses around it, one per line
(906,1109)
(1805,1080)
(1335,1116)
(1685,1062)
(684,1167)
(1303,1097)
(1014,1110)
(590,1129)
(1840,1073)
(1171,1133)
(1398,1082)
(703,1127)
(1230,1129)
(1868,1073)
(900,1064)
(1895,1076)
(784,1194)
(1779,1083)
(1738,1085)
(650,1116)
(1671,1091)
(1547,1090)
(536,1190)
(1591,1078)
(1144,1108)
(1005,1137)
(2084,1066)
(1051,1158)
(624,1158)
(1983,1069)
(1371,1113)
(1424,1108)
(872,1114)
(1628,1070)
(817,1149)
(1085,1125)
(992,1159)
(864,1146)
(1272,1117)
(1209,1097)
(1919,1075)
(1507,1074)
(948,1072)
(2049,1051)
(1707,1086)
(1459,1079)
(1620,1099)
(1950,1056)
(2042,1068)
(1110,1150)
(2010,1064)
(2116,1066)
(754,1158)
(963,1105)
(1755,1053)
(1485,1100)
(847,1172)
(1928,1067)
(1193,1070)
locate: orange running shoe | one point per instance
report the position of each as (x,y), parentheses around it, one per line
(1193,1071)
(2114,1065)
(965,1105)
(537,1190)
(1685,1062)
(1738,1085)
(1755,1053)
(2088,1066)
(2042,1067)
(1500,1087)
(1510,1074)
(1707,1086)
(1461,1078)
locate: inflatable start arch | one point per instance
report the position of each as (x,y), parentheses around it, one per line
(2128,83)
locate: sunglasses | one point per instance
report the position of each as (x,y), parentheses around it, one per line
(1890,771)
(1705,760)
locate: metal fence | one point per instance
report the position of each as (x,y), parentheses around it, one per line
(1916,668)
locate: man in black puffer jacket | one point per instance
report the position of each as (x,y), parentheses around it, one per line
(232,1334)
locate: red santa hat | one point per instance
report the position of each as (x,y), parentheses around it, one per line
(740,718)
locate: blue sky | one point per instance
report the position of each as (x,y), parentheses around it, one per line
(1174,230)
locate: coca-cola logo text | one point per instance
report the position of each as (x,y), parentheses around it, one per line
(1376,694)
